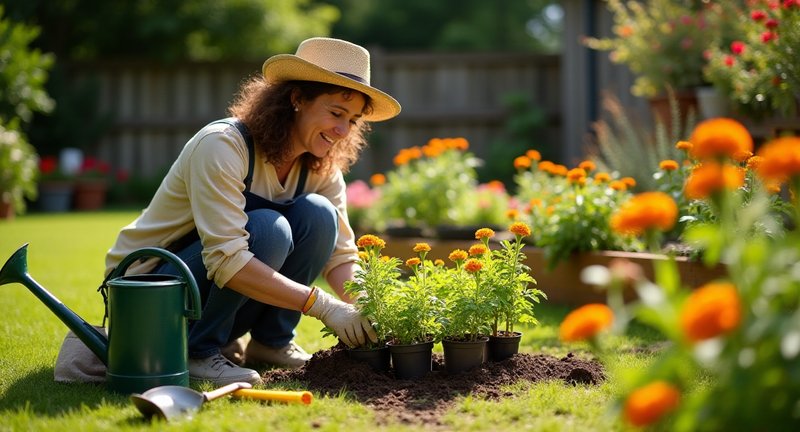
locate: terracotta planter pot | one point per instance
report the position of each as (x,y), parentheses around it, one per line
(411,361)
(90,194)
(503,345)
(378,359)
(563,284)
(660,105)
(461,356)
(6,210)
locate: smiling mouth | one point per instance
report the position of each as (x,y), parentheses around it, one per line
(326,138)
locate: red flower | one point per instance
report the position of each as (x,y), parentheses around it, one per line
(48,165)
(758,15)
(737,47)
(767,36)
(729,61)
(771,23)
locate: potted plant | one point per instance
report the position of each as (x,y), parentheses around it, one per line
(414,319)
(91,185)
(662,42)
(55,187)
(466,292)
(375,281)
(512,295)
(18,172)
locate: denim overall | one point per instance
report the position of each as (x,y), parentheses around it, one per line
(295,237)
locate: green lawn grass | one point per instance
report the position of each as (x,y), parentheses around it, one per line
(66,256)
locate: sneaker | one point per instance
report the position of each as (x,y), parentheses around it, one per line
(289,356)
(220,371)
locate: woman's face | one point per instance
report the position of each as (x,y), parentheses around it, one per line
(324,121)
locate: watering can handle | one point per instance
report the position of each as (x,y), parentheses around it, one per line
(192,291)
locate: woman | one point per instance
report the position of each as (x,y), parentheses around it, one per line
(257,224)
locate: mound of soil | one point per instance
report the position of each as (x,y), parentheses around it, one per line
(424,400)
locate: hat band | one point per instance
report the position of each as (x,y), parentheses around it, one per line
(354,77)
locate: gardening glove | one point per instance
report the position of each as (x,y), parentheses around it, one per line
(343,318)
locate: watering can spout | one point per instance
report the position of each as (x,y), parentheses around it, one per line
(15,270)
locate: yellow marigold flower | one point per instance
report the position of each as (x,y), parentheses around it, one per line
(385,258)
(754,162)
(550,210)
(645,405)
(546,166)
(520,228)
(522,162)
(585,322)
(602,177)
(368,240)
(378,179)
(422,247)
(647,210)
(711,177)
(574,175)
(742,156)
(512,214)
(630,182)
(473,266)
(668,165)
(484,233)
(781,159)
(535,202)
(719,137)
(438,262)
(560,170)
(683,145)
(587,166)
(363,256)
(413,262)
(618,185)
(533,155)
(477,250)
(710,311)
(457,255)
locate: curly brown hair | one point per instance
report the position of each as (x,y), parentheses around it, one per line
(267,111)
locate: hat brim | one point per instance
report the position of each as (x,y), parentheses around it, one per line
(288,67)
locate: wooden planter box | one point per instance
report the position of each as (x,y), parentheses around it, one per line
(562,284)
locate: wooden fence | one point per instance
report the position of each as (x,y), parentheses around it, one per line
(157,108)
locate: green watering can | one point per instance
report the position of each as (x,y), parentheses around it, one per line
(147,344)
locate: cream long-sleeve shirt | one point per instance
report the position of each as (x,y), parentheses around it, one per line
(203,189)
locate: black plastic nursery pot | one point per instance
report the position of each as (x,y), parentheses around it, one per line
(377,358)
(461,356)
(411,361)
(504,345)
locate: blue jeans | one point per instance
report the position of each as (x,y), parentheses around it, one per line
(296,240)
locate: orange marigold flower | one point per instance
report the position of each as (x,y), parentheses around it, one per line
(587,166)
(560,170)
(438,262)
(647,210)
(742,155)
(520,228)
(484,233)
(773,187)
(668,165)
(535,202)
(533,155)
(457,255)
(629,181)
(422,247)
(585,322)
(432,151)
(512,214)
(522,162)
(496,185)
(413,262)
(378,179)
(477,249)
(459,143)
(574,175)
(719,137)
(546,166)
(780,158)
(550,210)
(710,178)
(618,185)
(710,311)
(647,404)
(368,240)
(473,266)
(602,177)
(754,162)
(683,145)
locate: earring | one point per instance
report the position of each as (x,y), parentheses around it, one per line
(296,108)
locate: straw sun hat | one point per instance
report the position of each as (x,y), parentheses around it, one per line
(332,61)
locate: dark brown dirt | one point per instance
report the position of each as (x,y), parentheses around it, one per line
(423,401)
